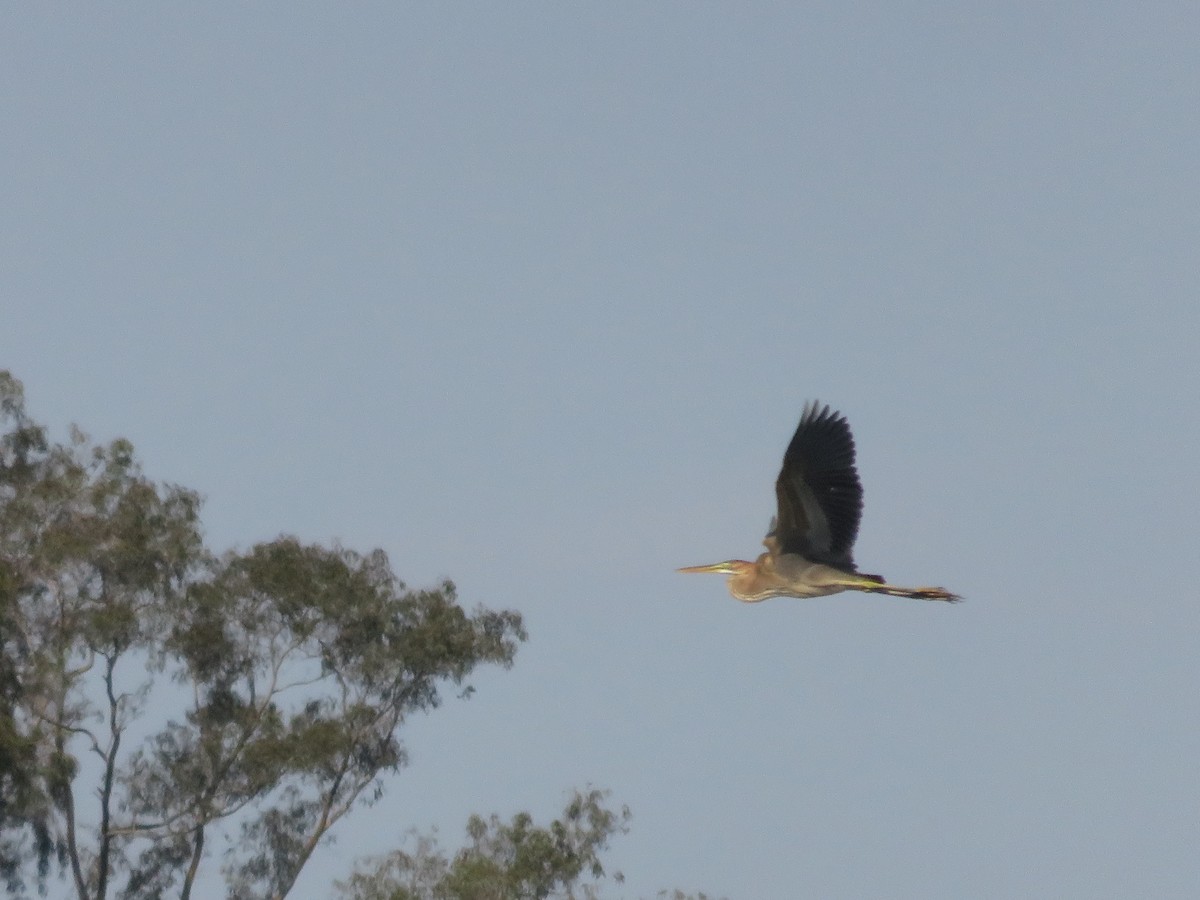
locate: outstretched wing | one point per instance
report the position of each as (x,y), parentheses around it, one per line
(819,494)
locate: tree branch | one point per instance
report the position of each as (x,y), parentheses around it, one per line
(194,865)
(66,802)
(110,764)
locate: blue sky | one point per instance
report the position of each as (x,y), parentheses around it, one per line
(531,296)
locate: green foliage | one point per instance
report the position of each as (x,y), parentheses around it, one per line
(514,860)
(517,860)
(292,667)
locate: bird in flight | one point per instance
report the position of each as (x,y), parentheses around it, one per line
(809,546)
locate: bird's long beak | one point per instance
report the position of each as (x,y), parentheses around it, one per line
(721,568)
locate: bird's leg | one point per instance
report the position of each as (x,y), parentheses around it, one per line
(920,593)
(875,584)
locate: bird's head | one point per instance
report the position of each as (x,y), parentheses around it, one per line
(729,567)
(745,578)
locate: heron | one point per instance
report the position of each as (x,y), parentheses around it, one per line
(811,539)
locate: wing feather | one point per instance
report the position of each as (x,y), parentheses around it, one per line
(818,490)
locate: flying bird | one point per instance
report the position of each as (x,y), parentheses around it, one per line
(809,546)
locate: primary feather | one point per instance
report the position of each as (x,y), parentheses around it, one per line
(818,490)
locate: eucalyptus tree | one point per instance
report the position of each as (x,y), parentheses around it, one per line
(516,859)
(154,694)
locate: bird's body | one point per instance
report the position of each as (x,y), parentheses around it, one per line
(810,544)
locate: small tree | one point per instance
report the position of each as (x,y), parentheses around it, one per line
(291,667)
(503,861)
(515,860)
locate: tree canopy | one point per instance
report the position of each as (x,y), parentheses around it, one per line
(513,860)
(154,694)
(289,669)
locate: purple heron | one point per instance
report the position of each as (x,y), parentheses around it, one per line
(812,535)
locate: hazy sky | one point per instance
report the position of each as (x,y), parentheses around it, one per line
(531,296)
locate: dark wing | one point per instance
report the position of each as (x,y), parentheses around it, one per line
(819,494)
